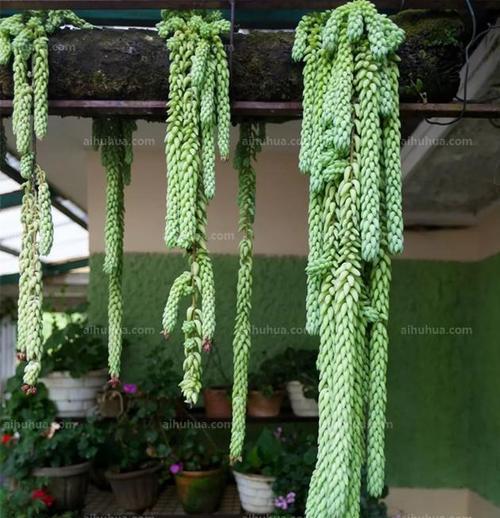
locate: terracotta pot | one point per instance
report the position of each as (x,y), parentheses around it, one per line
(260,405)
(136,490)
(200,492)
(217,402)
(67,484)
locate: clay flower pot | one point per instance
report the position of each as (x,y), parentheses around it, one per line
(200,492)
(136,490)
(67,484)
(217,402)
(260,405)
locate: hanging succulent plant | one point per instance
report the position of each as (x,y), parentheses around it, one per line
(24,40)
(250,143)
(198,109)
(114,138)
(350,150)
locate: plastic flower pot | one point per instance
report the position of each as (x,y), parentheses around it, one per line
(74,397)
(200,492)
(217,402)
(301,405)
(256,493)
(260,405)
(136,490)
(68,485)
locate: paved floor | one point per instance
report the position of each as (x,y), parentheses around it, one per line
(101,504)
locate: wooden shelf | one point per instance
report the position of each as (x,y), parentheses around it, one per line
(156,109)
(286,416)
(393,5)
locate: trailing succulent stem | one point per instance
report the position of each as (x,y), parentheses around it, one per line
(250,143)
(198,117)
(24,43)
(350,150)
(114,138)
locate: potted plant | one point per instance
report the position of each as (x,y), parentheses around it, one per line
(216,396)
(302,380)
(36,447)
(140,438)
(256,473)
(266,389)
(199,473)
(293,476)
(74,365)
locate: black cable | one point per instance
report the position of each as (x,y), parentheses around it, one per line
(474,37)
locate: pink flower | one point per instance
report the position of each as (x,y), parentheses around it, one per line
(281,503)
(278,432)
(176,468)
(207,345)
(130,388)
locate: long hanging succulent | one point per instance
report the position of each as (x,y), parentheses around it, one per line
(114,138)
(24,40)
(198,114)
(351,152)
(250,143)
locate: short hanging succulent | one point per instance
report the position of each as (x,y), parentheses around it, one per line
(250,143)
(24,41)
(198,115)
(114,138)
(351,152)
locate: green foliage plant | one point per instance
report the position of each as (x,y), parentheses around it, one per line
(24,44)
(351,152)
(198,115)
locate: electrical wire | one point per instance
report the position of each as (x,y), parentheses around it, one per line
(474,38)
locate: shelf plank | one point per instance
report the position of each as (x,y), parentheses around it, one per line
(394,5)
(156,109)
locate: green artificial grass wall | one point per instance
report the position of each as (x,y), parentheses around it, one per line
(443,380)
(484,371)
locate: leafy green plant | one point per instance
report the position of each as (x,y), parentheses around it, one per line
(139,435)
(264,455)
(73,348)
(268,377)
(33,438)
(300,365)
(294,473)
(297,461)
(195,451)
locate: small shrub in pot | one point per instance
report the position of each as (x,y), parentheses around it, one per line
(199,472)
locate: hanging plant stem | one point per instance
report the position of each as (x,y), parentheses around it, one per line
(250,143)
(350,150)
(24,42)
(114,138)
(198,112)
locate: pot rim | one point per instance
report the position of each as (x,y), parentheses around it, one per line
(62,471)
(254,476)
(200,474)
(112,475)
(217,388)
(66,374)
(276,393)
